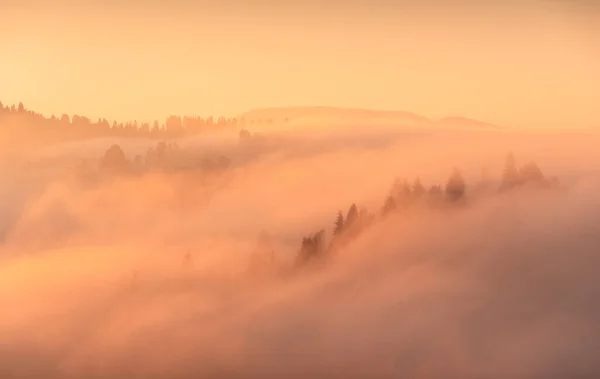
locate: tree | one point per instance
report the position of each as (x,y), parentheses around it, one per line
(161,152)
(417,188)
(173,125)
(338,228)
(114,160)
(455,187)
(405,194)
(145,128)
(351,216)
(532,173)
(435,190)
(389,206)
(435,196)
(311,248)
(397,187)
(138,161)
(510,175)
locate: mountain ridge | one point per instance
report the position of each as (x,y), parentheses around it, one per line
(299,113)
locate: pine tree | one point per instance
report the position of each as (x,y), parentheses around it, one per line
(114,160)
(435,195)
(397,187)
(338,228)
(510,176)
(312,247)
(351,216)
(417,188)
(435,190)
(531,172)
(389,206)
(406,189)
(455,188)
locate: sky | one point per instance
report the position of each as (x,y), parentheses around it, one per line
(521,64)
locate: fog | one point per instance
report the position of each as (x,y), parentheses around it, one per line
(155,275)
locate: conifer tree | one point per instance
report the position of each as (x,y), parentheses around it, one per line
(455,187)
(510,176)
(531,172)
(338,228)
(389,206)
(351,216)
(417,188)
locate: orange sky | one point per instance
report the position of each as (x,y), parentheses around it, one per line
(528,63)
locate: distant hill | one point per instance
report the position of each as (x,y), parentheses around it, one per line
(325,115)
(463,122)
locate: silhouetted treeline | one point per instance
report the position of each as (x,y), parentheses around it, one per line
(164,157)
(19,123)
(405,194)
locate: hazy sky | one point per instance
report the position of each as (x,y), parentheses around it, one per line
(517,63)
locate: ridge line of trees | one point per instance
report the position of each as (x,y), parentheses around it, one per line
(404,194)
(18,121)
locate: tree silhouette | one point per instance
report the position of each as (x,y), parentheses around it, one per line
(401,192)
(531,173)
(417,189)
(351,216)
(114,160)
(312,247)
(405,194)
(338,228)
(435,190)
(39,129)
(435,196)
(389,206)
(510,175)
(138,162)
(161,152)
(455,187)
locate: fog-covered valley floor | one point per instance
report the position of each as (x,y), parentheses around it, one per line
(191,261)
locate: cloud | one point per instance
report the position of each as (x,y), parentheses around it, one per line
(503,288)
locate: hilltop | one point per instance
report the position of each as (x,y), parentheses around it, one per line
(326,115)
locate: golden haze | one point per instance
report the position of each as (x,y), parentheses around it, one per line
(526,64)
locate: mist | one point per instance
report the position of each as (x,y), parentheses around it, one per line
(161,274)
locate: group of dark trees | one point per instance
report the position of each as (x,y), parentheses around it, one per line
(17,122)
(404,194)
(528,174)
(164,156)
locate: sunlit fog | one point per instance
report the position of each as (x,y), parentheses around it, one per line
(322,239)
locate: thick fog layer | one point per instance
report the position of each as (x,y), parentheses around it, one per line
(193,272)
